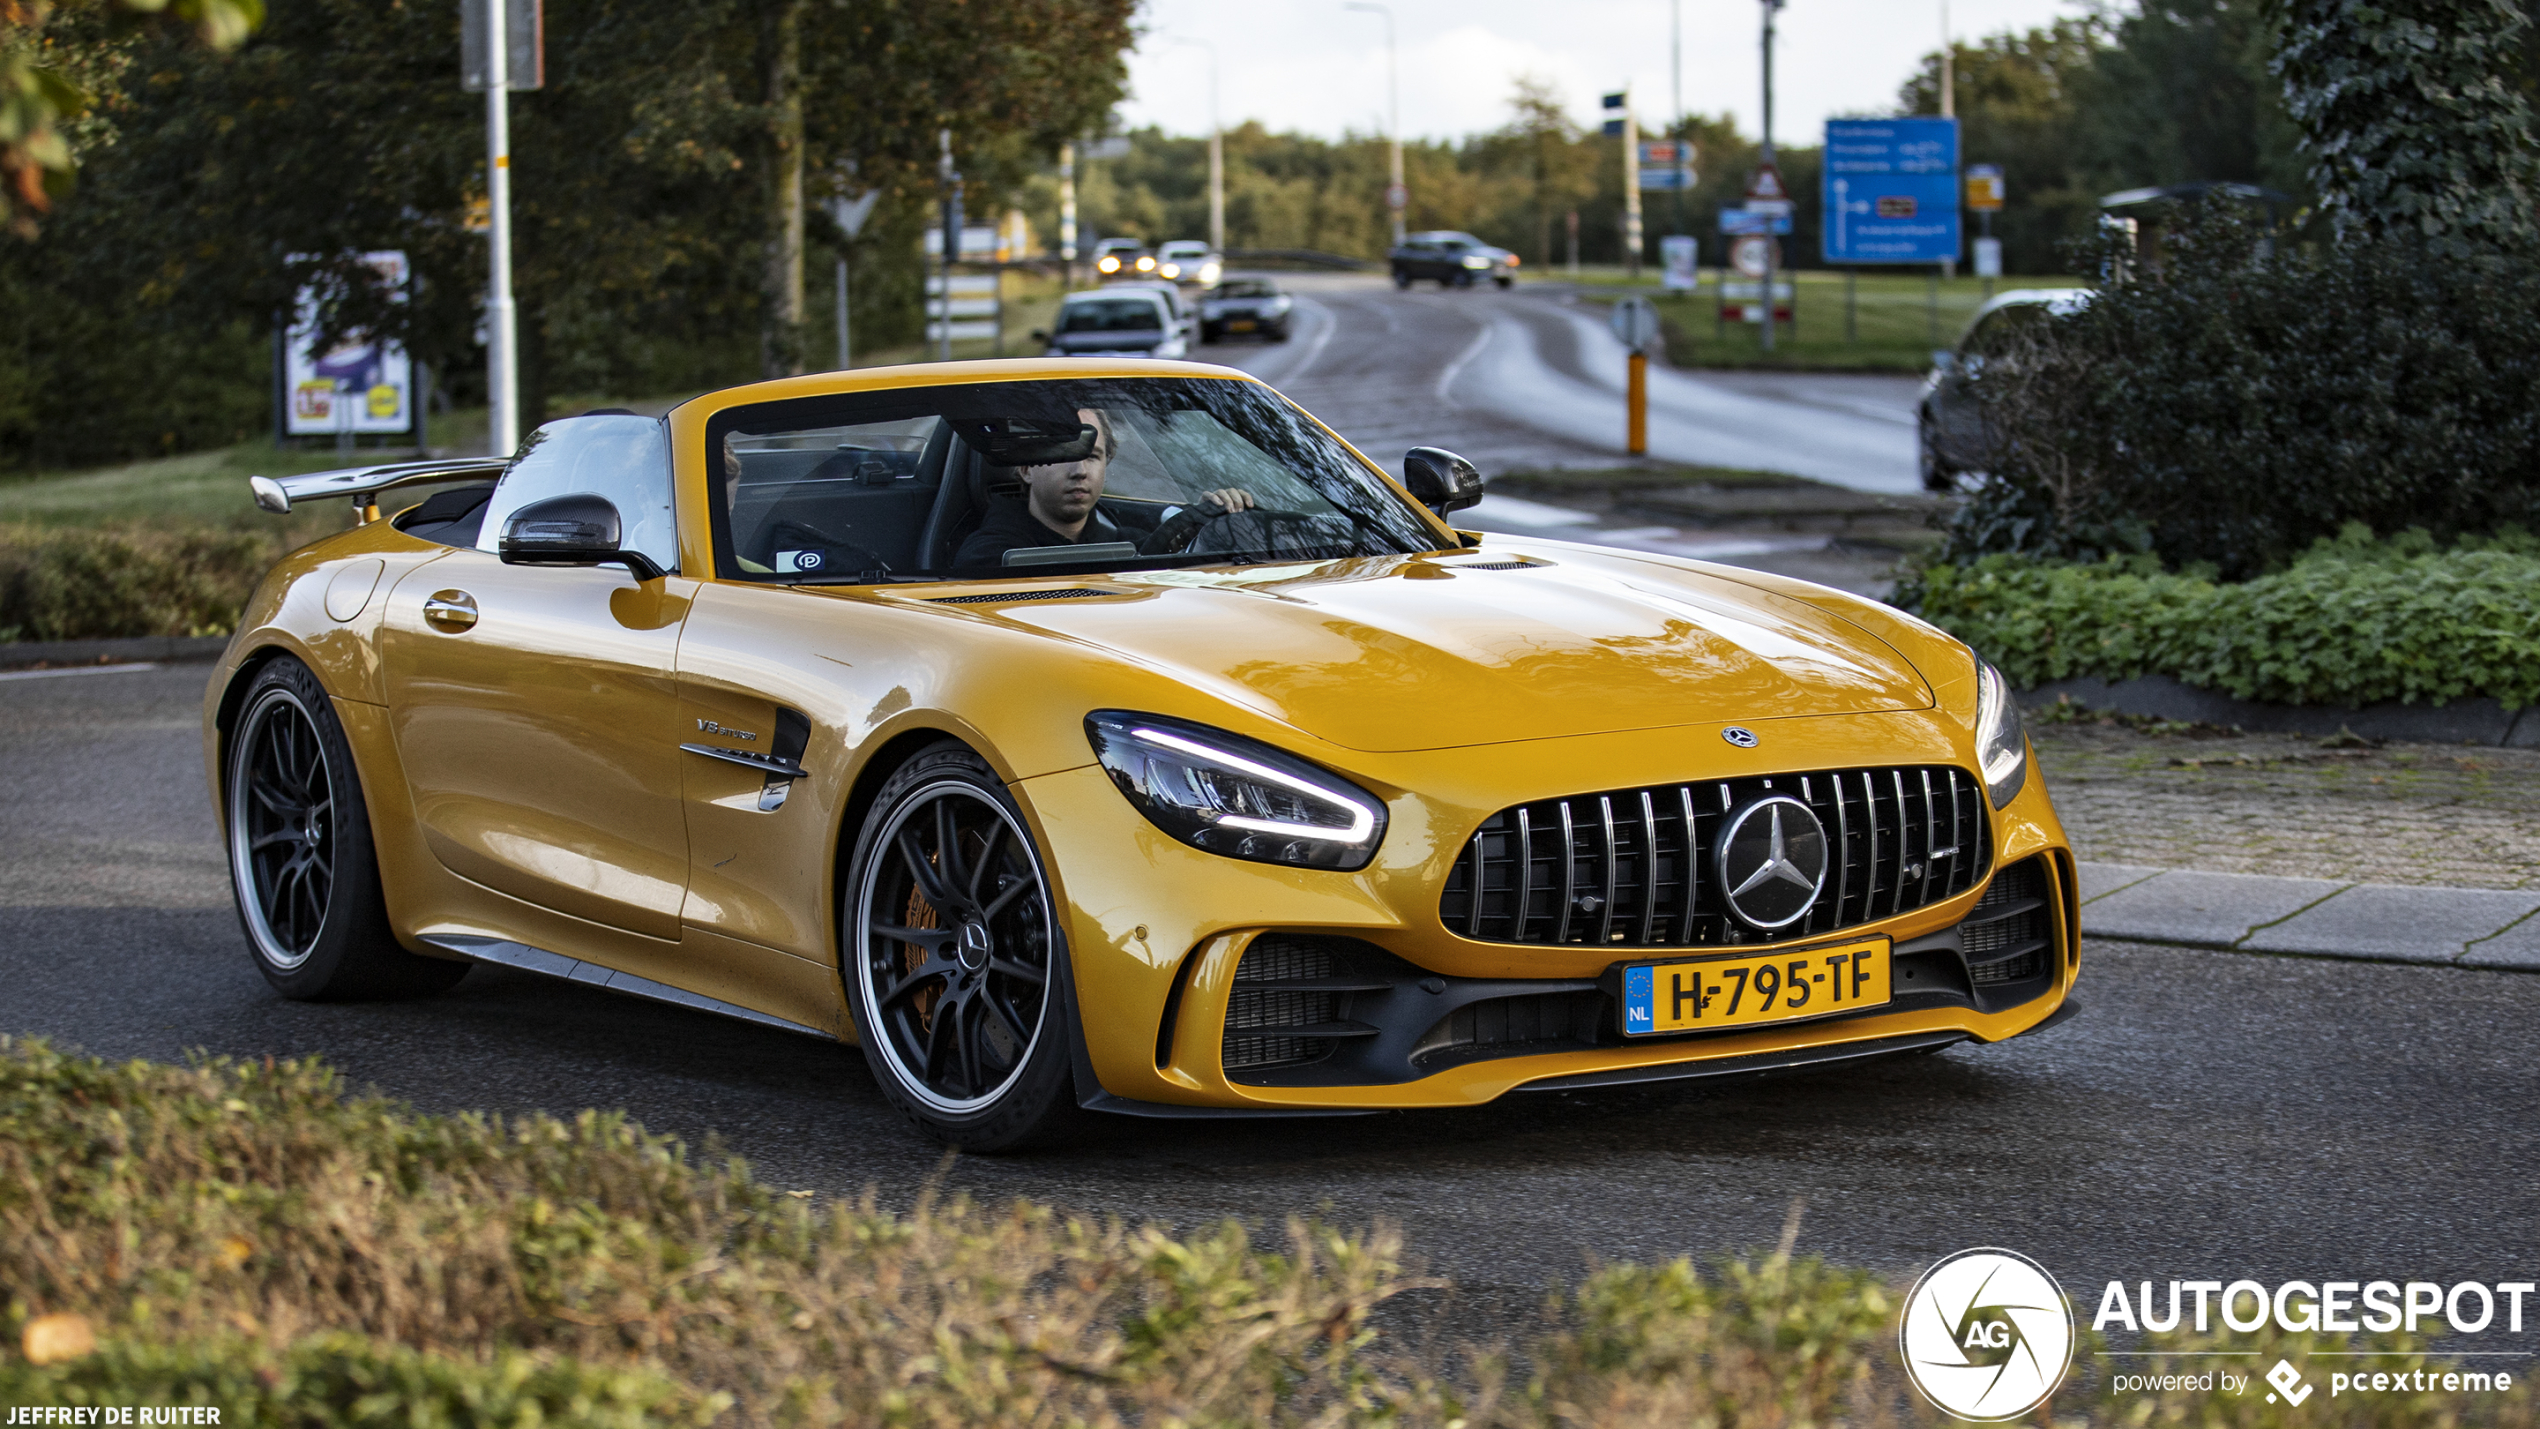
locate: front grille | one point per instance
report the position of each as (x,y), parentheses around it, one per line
(2009,935)
(1635,867)
(999,597)
(1284,1008)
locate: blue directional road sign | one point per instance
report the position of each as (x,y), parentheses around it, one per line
(1891,190)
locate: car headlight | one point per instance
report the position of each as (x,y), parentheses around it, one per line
(1236,796)
(1108,264)
(1208,272)
(2001,737)
(1476,261)
(1146,264)
(1172,270)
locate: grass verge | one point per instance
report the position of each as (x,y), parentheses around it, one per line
(1898,318)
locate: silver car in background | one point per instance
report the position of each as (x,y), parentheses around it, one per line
(1122,320)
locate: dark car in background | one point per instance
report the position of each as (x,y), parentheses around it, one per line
(1451,260)
(1241,306)
(1948,419)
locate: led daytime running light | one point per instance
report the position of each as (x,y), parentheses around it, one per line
(1362,819)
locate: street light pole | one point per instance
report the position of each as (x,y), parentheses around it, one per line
(1772,247)
(1397,198)
(502,342)
(1216,150)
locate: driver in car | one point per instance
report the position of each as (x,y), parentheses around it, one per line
(1061,507)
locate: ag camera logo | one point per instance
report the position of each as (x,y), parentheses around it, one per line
(1987,1335)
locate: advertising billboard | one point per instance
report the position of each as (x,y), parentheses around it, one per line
(361,385)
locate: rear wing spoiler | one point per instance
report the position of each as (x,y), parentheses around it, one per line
(364,483)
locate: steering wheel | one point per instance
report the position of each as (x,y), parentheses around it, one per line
(1260,529)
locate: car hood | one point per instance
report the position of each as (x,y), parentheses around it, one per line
(1396,656)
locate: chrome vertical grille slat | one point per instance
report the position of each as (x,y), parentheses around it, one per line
(1649,869)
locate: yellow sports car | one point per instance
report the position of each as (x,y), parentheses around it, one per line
(1109,734)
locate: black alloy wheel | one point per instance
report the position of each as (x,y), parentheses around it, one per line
(300,855)
(954,959)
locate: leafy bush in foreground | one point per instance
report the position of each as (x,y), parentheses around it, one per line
(2352,622)
(241,1236)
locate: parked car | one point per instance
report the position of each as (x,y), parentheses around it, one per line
(1245,305)
(1124,320)
(1122,258)
(1451,260)
(1091,733)
(1190,262)
(1952,433)
(1185,312)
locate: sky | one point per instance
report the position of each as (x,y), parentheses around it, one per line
(1318,68)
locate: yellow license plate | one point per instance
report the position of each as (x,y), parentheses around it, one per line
(1238,324)
(1756,989)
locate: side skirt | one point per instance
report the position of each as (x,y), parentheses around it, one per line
(538,960)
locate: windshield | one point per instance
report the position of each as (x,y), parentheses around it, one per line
(1111,315)
(1241,288)
(1013,478)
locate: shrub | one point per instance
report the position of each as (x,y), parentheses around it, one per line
(2242,397)
(66,583)
(2352,622)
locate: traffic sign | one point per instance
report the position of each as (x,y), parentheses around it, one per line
(1735,221)
(1984,187)
(1766,185)
(1751,255)
(1891,191)
(1635,321)
(1397,197)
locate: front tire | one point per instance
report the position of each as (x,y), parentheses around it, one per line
(1935,469)
(301,862)
(953,959)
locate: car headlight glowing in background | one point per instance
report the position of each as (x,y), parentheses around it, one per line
(2001,737)
(1514,260)
(1208,272)
(1236,796)
(1109,263)
(1146,262)
(1172,270)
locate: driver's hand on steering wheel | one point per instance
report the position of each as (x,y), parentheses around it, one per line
(1227,501)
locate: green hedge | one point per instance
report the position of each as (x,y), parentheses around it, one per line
(65,583)
(2353,622)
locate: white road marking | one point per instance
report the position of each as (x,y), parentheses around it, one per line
(78,670)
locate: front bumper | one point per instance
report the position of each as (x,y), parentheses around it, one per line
(1159,931)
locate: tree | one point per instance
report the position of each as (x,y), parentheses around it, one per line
(43,84)
(2017,101)
(2412,118)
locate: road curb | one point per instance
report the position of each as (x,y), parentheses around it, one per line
(2478,721)
(2313,917)
(90,652)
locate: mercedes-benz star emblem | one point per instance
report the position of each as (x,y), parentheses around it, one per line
(1739,735)
(1772,859)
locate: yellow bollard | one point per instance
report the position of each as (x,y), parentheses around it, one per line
(1637,404)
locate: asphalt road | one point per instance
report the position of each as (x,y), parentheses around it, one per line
(2208,1116)
(1530,378)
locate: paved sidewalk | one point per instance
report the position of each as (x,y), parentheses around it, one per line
(2316,917)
